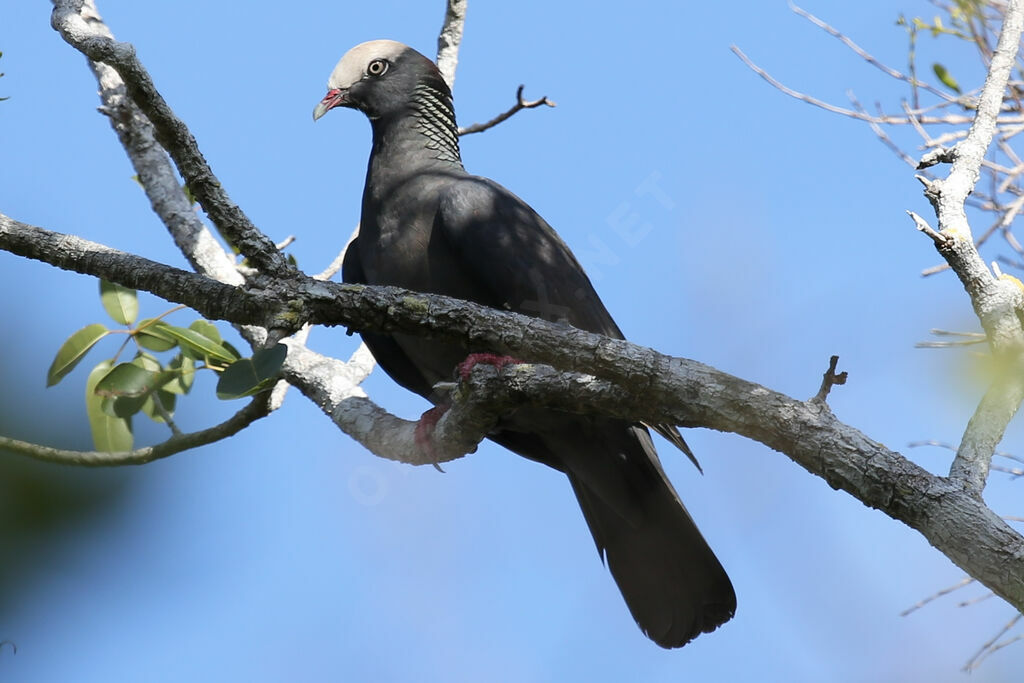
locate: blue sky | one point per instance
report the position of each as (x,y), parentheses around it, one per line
(289,553)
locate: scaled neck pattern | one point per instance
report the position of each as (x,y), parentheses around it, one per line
(435,118)
(423,134)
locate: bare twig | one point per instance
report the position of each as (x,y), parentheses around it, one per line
(945,591)
(829,380)
(950,119)
(517,107)
(991,645)
(975,600)
(860,52)
(881,134)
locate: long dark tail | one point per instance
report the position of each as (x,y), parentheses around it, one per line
(671,580)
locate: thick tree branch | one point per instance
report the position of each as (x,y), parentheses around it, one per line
(258,408)
(624,379)
(79,25)
(89,258)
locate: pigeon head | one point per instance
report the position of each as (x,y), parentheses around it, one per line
(380,78)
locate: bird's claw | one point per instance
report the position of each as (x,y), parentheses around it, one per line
(424,433)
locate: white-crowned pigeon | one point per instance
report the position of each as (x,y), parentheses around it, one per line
(429,226)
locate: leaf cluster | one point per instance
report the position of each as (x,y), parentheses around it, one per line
(117,390)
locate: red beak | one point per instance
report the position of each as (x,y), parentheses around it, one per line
(335,97)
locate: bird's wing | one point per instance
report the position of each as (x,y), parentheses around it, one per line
(384,348)
(524,264)
(512,252)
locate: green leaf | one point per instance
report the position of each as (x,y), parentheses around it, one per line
(269,361)
(207,329)
(231,349)
(123,406)
(947,79)
(199,345)
(121,303)
(167,400)
(126,379)
(73,350)
(250,376)
(184,370)
(147,361)
(150,335)
(239,380)
(109,434)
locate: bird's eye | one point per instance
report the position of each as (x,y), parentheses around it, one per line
(377,67)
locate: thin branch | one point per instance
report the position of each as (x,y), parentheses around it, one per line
(257,408)
(860,52)
(991,645)
(515,108)
(967,580)
(951,119)
(881,134)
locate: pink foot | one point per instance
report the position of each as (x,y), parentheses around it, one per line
(424,433)
(466,366)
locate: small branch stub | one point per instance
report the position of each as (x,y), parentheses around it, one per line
(922,225)
(939,155)
(830,379)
